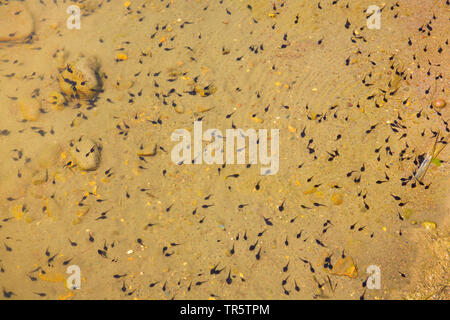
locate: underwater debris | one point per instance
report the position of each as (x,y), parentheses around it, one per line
(432,155)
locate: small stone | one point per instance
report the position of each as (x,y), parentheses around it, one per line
(124,83)
(20,212)
(122,56)
(206,91)
(81,79)
(439,103)
(17,23)
(48,155)
(86,153)
(89,6)
(310,190)
(28,219)
(17,211)
(147,150)
(37,192)
(203,108)
(257,119)
(83,211)
(51,276)
(40,177)
(61,58)
(77,220)
(179,109)
(30,109)
(429,225)
(57,100)
(345,267)
(54,210)
(337,199)
(147,53)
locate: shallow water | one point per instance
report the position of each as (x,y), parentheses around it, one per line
(354,111)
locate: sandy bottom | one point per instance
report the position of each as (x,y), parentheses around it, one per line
(354,111)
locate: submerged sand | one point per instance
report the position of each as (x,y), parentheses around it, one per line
(354,110)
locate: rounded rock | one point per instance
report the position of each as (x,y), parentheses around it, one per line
(17,24)
(85,153)
(81,79)
(147,150)
(56,100)
(337,198)
(30,109)
(429,225)
(48,155)
(439,103)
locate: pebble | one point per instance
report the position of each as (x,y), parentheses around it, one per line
(337,199)
(40,177)
(30,109)
(205,92)
(37,192)
(17,22)
(86,153)
(179,109)
(80,214)
(20,212)
(439,103)
(54,210)
(57,100)
(345,267)
(257,119)
(81,80)
(123,83)
(48,155)
(17,211)
(429,225)
(203,108)
(122,56)
(147,150)
(61,58)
